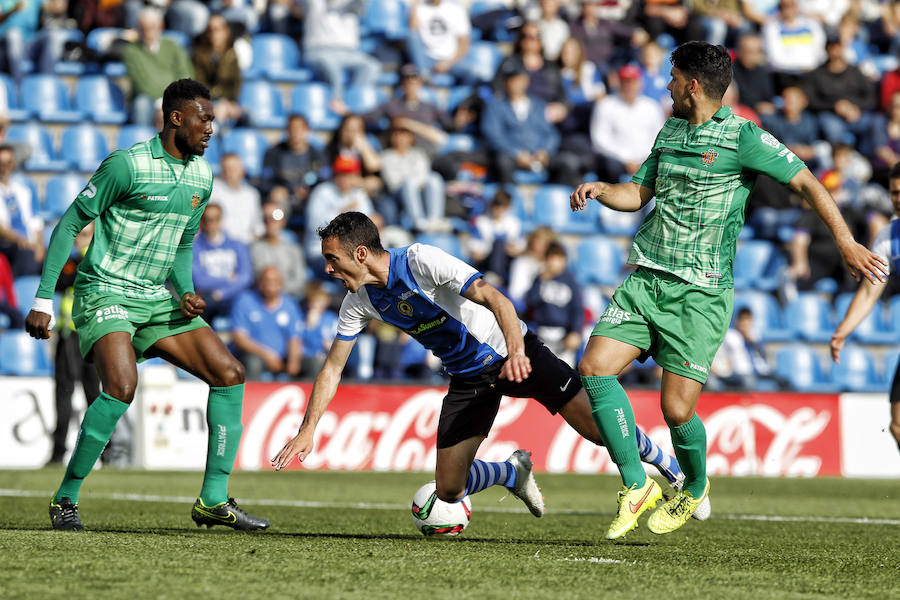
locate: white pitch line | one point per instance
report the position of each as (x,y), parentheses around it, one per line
(487,509)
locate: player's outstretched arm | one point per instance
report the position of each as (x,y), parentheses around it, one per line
(323,391)
(626,197)
(859,260)
(517,366)
(861,305)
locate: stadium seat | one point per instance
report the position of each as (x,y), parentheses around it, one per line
(551,207)
(249,144)
(61,192)
(616,222)
(189,18)
(69,67)
(386,19)
(10,93)
(599,260)
(809,316)
(856,372)
(213,154)
(529,177)
(100,99)
(26,287)
(83,147)
(43,157)
(456,96)
(766,312)
(447,242)
(262,104)
(891,359)
(873,329)
(361,362)
(45,96)
(458,142)
(482,61)
(362,99)
(756,265)
(101,39)
(129,135)
(801,367)
(20,354)
(894,313)
(276,56)
(312,101)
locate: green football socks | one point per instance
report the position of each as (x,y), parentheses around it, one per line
(689,441)
(223,416)
(614,418)
(97,427)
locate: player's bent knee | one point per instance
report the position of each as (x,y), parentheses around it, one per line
(229,374)
(895,430)
(122,391)
(591,367)
(676,416)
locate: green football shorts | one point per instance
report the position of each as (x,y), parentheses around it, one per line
(679,324)
(146,321)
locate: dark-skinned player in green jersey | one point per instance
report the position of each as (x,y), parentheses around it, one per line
(146,204)
(676,306)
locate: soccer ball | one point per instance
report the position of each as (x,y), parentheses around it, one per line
(433,516)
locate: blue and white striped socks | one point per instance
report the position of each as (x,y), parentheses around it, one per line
(653,454)
(483,475)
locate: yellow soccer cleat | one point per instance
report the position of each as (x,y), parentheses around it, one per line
(675,513)
(633,502)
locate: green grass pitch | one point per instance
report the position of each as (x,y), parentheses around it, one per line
(350,535)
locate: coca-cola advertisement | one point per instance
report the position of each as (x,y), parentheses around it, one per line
(393,428)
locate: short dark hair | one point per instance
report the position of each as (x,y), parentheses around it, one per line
(300,116)
(353,229)
(708,64)
(7,148)
(181,91)
(556,249)
(895,171)
(744,312)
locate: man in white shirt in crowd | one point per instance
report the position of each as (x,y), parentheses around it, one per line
(241,213)
(21,232)
(439,36)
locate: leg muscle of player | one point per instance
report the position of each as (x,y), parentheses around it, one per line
(200,352)
(605,356)
(678,398)
(116,365)
(452,469)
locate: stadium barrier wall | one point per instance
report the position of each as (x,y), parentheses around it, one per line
(392,428)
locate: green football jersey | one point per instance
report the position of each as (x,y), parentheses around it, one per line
(144,201)
(702,176)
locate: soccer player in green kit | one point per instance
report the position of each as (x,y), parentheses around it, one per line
(146,204)
(676,306)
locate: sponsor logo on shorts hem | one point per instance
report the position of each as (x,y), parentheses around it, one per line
(696,367)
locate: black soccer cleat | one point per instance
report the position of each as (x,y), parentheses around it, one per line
(227,514)
(64,515)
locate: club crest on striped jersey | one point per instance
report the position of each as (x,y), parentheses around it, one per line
(709,157)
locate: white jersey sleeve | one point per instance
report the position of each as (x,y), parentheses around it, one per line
(356,312)
(433,268)
(882,244)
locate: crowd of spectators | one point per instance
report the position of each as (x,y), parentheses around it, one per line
(579,91)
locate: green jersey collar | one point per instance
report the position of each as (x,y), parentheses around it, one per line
(722,114)
(157,151)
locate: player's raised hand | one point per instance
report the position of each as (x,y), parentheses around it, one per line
(862,262)
(300,446)
(516,368)
(38,325)
(192,305)
(579,198)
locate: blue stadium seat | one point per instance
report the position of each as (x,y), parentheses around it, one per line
(616,222)
(262,104)
(856,372)
(457,94)
(43,156)
(529,177)
(801,367)
(810,317)
(894,313)
(447,242)
(276,56)
(756,265)
(311,100)
(45,96)
(101,39)
(891,360)
(599,261)
(61,191)
(100,99)
(10,92)
(361,99)
(873,329)
(482,61)
(458,142)
(26,287)
(129,135)
(766,313)
(551,207)
(387,19)
(20,354)
(213,154)
(188,18)
(83,147)
(361,362)
(5,323)
(69,67)
(249,144)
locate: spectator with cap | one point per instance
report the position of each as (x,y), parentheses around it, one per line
(439,37)
(222,268)
(239,201)
(275,249)
(330,198)
(292,167)
(268,329)
(517,132)
(624,126)
(21,232)
(152,63)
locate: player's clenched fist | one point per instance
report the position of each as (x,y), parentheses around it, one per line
(192,305)
(38,325)
(584,192)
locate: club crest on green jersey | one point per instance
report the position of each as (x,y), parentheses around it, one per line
(195,200)
(709,157)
